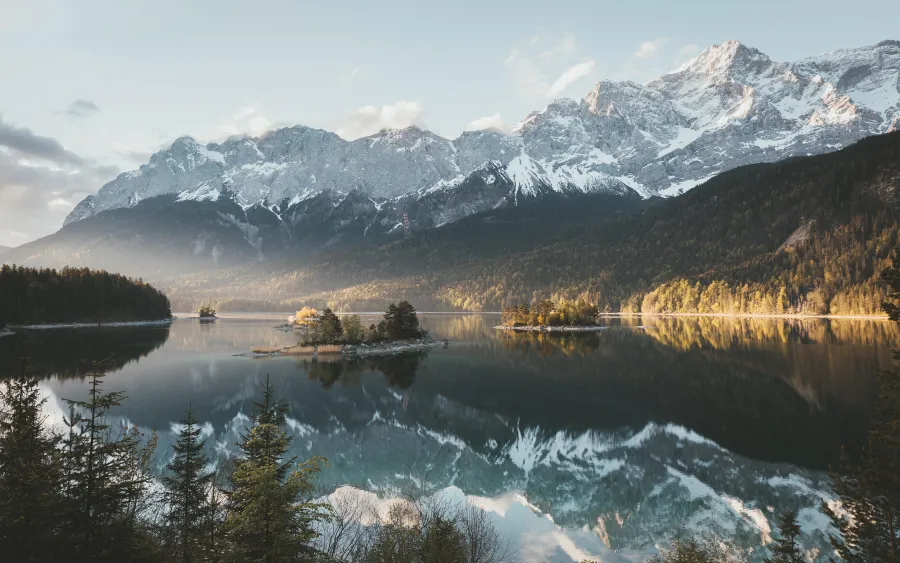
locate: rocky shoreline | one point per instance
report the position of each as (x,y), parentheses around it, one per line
(541,328)
(349,351)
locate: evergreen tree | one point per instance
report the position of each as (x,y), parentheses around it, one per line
(329,328)
(785,549)
(401,322)
(29,474)
(103,482)
(187,490)
(269,515)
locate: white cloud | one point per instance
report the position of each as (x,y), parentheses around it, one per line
(487,122)
(569,77)
(248,120)
(650,49)
(533,66)
(355,71)
(371,119)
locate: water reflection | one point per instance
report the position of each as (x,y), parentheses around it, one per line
(75,352)
(399,370)
(651,429)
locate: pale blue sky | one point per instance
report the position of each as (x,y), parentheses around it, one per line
(148,72)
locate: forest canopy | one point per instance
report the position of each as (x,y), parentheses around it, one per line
(32,296)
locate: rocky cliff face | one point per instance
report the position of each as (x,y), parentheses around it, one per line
(730,106)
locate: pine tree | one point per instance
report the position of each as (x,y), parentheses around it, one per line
(785,549)
(105,479)
(329,329)
(187,489)
(401,322)
(269,515)
(29,474)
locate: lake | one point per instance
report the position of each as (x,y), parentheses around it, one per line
(601,445)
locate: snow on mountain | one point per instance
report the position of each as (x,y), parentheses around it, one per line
(730,106)
(631,490)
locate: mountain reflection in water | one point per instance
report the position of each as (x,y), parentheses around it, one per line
(653,429)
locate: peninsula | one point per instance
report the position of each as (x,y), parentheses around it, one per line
(35,298)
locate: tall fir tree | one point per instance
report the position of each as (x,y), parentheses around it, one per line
(104,482)
(30,474)
(187,491)
(270,518)
(785,548)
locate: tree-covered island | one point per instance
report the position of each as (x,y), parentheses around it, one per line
(325,332)
(548,315)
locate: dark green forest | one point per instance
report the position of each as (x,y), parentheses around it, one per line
(808,235)
(35,296)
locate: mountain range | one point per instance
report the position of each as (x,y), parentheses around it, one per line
(298,192)
(732,105)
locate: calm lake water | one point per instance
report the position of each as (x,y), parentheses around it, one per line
(604,444)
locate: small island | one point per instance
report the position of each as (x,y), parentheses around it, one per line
(207,313)
(77,297)
(547,316)
(325,333)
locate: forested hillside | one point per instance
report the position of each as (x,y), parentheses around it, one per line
(806,235)
(30,296)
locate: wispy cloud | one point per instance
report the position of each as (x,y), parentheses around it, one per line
(370,119)
(570,76)
(650,49)
(82,108)
(487,122)
(248,120)
(653,58)
(533,67)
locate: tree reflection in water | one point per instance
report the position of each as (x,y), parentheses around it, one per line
(399,370)
(72,353)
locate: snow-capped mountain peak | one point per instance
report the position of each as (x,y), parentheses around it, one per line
(731,105)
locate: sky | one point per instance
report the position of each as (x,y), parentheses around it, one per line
(92,88)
